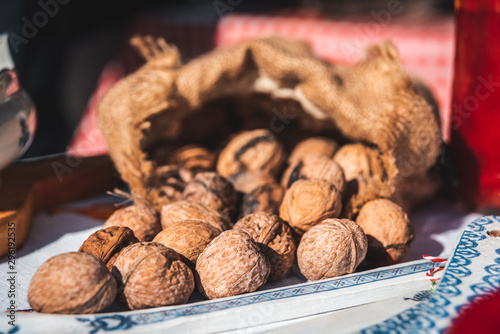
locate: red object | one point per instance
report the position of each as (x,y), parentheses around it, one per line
(425,46)
(88,139)
(480,316)
(475,122)
(434,259)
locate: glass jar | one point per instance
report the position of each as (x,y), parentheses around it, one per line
(475,120)
(17,118)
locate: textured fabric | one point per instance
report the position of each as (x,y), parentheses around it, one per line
(143,116)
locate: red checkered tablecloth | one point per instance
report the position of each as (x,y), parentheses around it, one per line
(426,48)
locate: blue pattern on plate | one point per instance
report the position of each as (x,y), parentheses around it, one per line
(426,316)
(109,322)
(433,315)
(14,329)
(420,296)
(126,321)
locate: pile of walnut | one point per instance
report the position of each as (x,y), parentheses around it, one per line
(228,226)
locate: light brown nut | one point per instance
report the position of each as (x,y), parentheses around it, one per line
(308,202)
(106,243)
(144,221)
(358,159)
(265,198)
(188,238)
(151,275)
(389,232)
(194,157)
(256,150)
(184,210)
(168,183)
(214,191)
(369,175)
(332,248)
(231,264)
(276,238)
(72,283)
(163,174)
(315,166)
(313,145)
(246,182)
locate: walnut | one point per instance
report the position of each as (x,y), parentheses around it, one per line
(168,182)
(246,182)
(151,275)
(368,174)
(141,219)
(193,157)
(332,248)
(315,166)
(358,159)
(265,198)
(214,191)
(105,244)
(276,238)
(389,232)
(184,210)
(308,202)
(188,238)
(231,264)
(256,150)
(72,283)
(163,174)
(313,145)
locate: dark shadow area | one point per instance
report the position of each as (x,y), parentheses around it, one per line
(61,46)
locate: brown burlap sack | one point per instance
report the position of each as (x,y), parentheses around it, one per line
(271,83)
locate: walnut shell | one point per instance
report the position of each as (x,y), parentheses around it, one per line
(266,198)
(389,232)
(246,182)
(168,182)
(313,145)
(315,166)
(215,192)
(72,283)
(141,219)
(188,238)
(276,237)
(152,275)
(256,150)
(358,159)
(194,157)
(308,202)
(184,210)
(231,264)
(368,173)
(163,174)
(105,244)
(332,248)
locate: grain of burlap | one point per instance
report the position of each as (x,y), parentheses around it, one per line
(374,102)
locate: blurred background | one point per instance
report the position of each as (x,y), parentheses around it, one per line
(66,50)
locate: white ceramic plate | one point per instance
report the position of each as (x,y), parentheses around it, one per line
(471,271)
(249,310)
